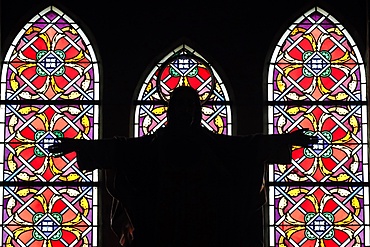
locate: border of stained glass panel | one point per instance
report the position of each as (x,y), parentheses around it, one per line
(317,80)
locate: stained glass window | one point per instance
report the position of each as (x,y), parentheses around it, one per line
(316,80)
(182,67)
(49,89)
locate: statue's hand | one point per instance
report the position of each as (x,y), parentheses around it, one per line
(65,146)
(299,138)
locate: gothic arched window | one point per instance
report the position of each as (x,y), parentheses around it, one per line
(49,89)
(317,80)
(182,66)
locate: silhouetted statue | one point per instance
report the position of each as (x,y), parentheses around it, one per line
(185,185)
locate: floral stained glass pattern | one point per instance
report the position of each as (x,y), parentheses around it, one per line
(317,81)
(182,67)
(50,86)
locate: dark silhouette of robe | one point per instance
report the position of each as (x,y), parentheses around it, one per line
(189,188)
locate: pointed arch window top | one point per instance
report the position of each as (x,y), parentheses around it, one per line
(48,58)
(317,60)
(185,69)
(182,66)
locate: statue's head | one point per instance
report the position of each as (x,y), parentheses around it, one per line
(184,108)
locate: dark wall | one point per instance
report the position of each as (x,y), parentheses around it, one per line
(235,36)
